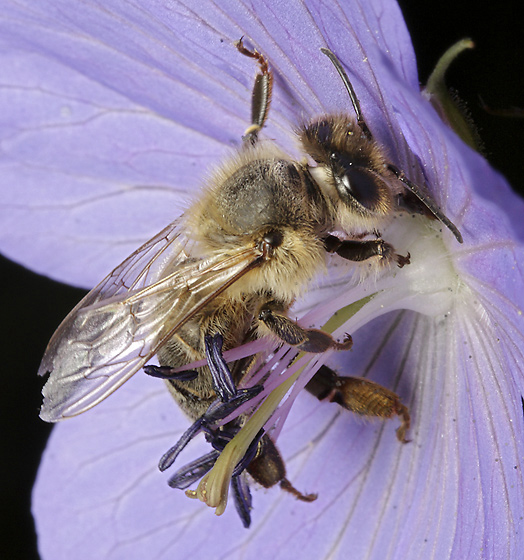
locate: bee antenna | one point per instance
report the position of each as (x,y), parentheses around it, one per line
(352,95)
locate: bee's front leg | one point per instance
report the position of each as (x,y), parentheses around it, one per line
(307,340)
(261,96)
(361,396)
(358,251)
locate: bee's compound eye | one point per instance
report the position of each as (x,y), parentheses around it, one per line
(357,183)
(361,185)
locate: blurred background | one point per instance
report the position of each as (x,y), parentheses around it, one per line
(33,306)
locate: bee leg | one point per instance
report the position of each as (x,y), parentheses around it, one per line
(356,250)
(307,340)
(262,461)
(261,96)
(360,395)
(268,468)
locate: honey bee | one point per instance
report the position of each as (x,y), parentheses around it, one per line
(232,266)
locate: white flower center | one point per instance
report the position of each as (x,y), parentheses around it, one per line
(429,284)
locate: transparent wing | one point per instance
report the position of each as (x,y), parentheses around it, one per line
(123,322)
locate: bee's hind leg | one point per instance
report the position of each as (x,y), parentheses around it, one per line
(261,96)
(361,396)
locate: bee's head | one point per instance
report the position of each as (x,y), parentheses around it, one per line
(350,168)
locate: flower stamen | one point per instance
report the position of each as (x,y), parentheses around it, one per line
(213,489)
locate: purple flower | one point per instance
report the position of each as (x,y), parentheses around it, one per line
(113,113)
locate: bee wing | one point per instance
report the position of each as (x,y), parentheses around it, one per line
(123,322)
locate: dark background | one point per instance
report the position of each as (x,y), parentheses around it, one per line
(33,306)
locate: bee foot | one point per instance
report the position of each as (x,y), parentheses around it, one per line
(288,487)
(403,261)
